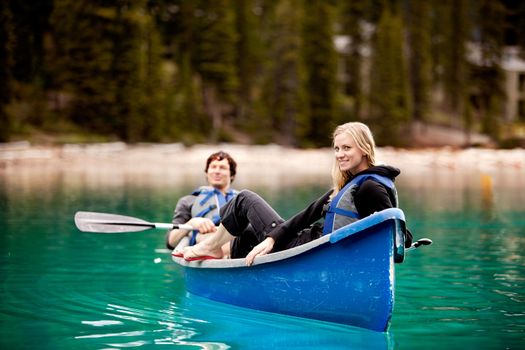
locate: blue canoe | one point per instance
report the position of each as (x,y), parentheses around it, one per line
(345,277)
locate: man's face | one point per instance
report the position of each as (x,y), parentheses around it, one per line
(218,174)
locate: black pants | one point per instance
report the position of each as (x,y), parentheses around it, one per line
(249,218)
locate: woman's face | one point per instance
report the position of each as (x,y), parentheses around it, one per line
(348,156)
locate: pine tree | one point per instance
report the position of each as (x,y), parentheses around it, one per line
(126,71)
(248,60)
(519,26)
(137,71)
(418,19)
(183,113)
(455,68)
(321,69)
(29,21)
(389,100)
(82,33)
(6,65)
(108,61)
(439,23)
(352,20)
(283,100)
(488,73)
(215,60)
(154,89)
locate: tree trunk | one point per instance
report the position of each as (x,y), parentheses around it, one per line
(213,109)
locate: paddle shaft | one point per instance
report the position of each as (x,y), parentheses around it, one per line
(157,225)
(111,223)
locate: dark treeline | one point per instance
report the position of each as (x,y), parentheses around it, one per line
(252,71)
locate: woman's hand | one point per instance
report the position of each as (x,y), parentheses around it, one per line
(262,248)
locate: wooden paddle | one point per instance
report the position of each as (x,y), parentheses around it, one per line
(110,223)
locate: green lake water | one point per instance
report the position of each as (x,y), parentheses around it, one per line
(63,289)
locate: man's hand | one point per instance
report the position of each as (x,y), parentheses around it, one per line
(262,248)
(203,225)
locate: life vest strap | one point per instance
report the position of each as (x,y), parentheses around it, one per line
(207,197)
(193,238)
(205,211)
(345,212)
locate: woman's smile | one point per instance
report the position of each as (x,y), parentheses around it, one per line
(348,156)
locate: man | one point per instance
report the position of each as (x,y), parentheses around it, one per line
(201,208)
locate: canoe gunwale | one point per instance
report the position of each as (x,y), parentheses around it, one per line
(336,236)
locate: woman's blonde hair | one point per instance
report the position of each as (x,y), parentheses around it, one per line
(364,141)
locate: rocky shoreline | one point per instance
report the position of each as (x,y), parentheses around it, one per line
(262,164)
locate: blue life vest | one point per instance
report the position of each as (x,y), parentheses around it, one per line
(208,204)
(342,211)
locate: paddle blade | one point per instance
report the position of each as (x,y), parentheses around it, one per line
(109,223)
(422,241)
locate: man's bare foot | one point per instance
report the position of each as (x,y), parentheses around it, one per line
(197,252)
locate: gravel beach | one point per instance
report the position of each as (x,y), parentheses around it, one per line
(267,165)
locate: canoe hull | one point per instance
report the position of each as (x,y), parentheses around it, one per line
(349,281)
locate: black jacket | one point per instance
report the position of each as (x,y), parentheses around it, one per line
(370,197)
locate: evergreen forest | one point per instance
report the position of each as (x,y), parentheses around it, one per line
(254,71)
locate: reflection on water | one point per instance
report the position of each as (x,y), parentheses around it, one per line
(66,289)
(194,322)
(238,326)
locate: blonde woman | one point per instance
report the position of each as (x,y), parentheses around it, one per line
(360,188)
